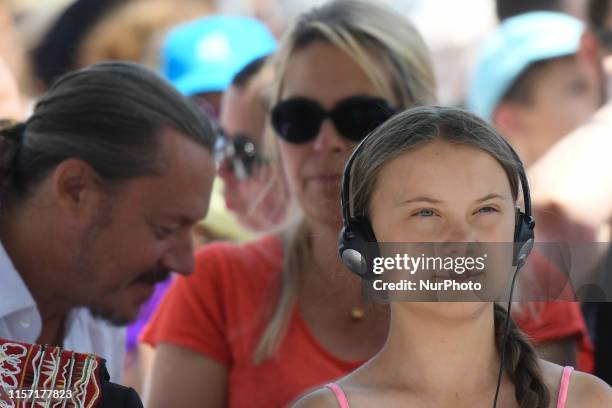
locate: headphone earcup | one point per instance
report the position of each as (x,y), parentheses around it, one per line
(357,247)
(523,238)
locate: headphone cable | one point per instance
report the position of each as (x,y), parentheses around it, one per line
(506,331)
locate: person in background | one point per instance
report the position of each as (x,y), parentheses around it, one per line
(92,31)
(538,77)
(253,192)
(202,57)
(55,55)
(135,29)
(99,190)
(253,315)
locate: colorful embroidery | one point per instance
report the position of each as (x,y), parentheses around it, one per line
(10,363)
(46,376)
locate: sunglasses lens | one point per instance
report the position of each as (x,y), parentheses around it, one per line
(297,120)
(239,153)
(356,117)
(246,154)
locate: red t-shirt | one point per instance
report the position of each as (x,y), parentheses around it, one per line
(552,320)
(221,311)
(557,320)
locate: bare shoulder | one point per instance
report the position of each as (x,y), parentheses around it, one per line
(321,397)
(585,390)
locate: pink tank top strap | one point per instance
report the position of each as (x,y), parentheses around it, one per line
(564,386)
(340,396)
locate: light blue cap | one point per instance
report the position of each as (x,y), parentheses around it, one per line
(204,55)
(516,44)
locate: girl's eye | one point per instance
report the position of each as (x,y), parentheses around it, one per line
(426,212)
(487,210)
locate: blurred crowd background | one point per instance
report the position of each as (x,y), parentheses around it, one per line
(43,38)
(40,39)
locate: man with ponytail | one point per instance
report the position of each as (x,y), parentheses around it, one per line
(99,189)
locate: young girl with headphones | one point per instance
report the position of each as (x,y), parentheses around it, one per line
(433,174)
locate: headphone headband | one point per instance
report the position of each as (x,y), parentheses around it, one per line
(346,182)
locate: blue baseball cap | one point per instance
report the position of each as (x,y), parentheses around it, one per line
(204,55)
(516,44)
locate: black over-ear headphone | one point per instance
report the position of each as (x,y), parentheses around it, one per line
(357,241)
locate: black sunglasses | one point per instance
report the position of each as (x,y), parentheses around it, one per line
(298,120)
(240,153)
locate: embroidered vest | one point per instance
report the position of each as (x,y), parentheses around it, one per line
(34,375)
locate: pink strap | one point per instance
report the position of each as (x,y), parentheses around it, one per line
(340,396)
(563,387)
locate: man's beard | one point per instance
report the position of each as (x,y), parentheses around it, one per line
(92,298)
(152,278)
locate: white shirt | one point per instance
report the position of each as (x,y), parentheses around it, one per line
(20,320)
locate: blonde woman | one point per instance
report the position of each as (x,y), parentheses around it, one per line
(434,174)
(258,324)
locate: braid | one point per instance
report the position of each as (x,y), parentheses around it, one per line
(520,363)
